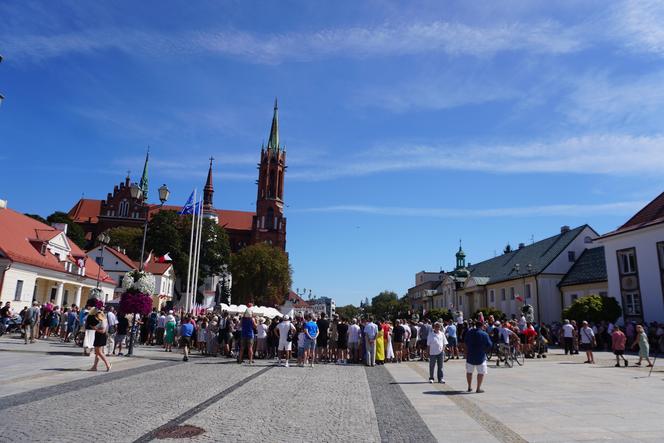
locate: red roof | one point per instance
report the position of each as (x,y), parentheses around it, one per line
(21,238)
(229,219)
(650,214)
(85,210)
(152,267)
(298,302)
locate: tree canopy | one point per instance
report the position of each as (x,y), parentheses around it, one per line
(388,305)
(261,274)
(593,308)
(348,312)
(128,239)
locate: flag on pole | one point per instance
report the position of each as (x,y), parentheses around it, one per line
(164,258)
(188,207)
(519,298)
(144,178)
(147,260)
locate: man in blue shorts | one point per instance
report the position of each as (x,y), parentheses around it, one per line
(451,332)
(310,335)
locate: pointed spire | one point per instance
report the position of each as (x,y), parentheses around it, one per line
(144,178)
(273,142)
(208,190)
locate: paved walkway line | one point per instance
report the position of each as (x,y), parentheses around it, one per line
(23,398)
(186,415)
(496,428)
(397,418)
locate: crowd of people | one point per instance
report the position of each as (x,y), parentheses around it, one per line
(312,339)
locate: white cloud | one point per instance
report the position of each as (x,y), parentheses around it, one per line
(575,210)
(414,38)
(590,154)
(640,24)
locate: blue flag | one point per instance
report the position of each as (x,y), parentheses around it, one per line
(188,207)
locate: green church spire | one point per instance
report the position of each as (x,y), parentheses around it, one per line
(273,142)
(144,178)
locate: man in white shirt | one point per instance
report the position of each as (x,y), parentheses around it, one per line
(354,333)
(112,321)
(587,342)
(283,330)
(406,341)
(161,328)
(370,333)
(436,342)
(568,337)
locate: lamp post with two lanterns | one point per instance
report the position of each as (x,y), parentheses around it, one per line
(138,194)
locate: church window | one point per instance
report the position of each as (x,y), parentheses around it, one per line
(124,208)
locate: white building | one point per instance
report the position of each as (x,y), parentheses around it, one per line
(39,262)
(635,263)
(117,264)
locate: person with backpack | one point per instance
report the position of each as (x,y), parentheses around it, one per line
(31,322)
(285,331)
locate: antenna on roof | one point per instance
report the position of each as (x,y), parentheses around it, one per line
(532,239)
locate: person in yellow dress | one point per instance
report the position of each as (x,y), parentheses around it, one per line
(380,345)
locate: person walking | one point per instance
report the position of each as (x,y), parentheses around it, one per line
(342,341)
(644,347)
(370,333)
(100,326)
(451,332)
(31,322)
(618,341)
(90,323)
(587,342)
(186,332)
(436,343)
(477,342)
(285,331)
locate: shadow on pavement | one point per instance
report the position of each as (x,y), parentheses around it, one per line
(64,369)
(445,393)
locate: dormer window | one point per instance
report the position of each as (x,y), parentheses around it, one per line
(44,248)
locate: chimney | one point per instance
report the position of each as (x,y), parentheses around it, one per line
(60,226)
(3,204)
(522,245)
(564,229)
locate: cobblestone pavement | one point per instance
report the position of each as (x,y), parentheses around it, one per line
(558,399)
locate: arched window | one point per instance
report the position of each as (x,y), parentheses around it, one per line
(123,209)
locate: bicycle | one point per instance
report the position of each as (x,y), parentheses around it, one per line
(517,355)
(504,355)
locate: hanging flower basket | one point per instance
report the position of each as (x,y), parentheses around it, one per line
(136,303)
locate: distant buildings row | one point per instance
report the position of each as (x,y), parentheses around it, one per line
(627,264)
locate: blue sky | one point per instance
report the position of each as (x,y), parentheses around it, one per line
(408,126)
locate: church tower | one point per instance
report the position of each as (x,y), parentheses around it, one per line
(269,223)
(208,192)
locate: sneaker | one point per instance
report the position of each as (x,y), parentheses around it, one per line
(120,353)
(441,381)
(286,365)
(431,380)
(617,365)
(625,363)
(185,359)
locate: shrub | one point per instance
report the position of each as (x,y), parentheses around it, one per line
(436,314)
(593,308)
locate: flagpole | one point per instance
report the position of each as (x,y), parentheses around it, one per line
(198,246)
(191,243)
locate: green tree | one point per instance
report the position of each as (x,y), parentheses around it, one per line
(37,217)
(593,308)
(385,305)
(436,314)
(349,311)
(128,239)
(74,231)
(261,274)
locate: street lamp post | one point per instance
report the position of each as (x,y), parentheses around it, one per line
(103,239)
(137,193)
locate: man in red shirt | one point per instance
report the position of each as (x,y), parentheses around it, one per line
(530,335)
(618,340)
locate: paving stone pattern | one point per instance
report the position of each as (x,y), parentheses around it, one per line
(397,418)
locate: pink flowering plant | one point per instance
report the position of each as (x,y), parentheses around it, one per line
(137,298)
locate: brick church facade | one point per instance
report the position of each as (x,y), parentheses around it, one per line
(267,224)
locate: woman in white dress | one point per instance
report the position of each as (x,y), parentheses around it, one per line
(389,354)
(89,340)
